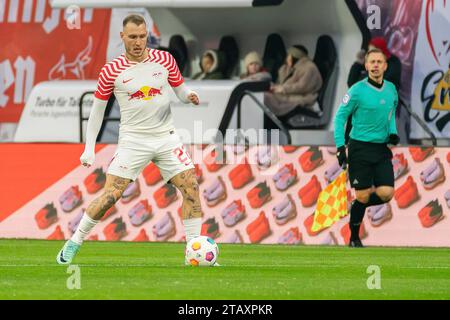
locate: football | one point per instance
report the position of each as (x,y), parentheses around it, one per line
(201,251)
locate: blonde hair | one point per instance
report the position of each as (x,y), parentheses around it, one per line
(374,50)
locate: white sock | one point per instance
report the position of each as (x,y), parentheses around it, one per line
(85,226)
(192,228)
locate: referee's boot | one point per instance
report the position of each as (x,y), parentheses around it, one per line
(355,243)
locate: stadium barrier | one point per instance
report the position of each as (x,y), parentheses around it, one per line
(260,195)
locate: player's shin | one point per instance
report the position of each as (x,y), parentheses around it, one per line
(84,227)
(192,220)
(356,216)
(93,214)
(191,212)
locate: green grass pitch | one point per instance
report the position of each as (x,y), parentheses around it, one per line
(126,270)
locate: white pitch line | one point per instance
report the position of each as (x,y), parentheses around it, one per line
(226,266)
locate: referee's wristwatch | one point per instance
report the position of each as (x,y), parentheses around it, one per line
(342,156)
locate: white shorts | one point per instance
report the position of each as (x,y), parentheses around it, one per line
(166,152)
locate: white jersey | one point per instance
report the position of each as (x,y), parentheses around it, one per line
(142,91)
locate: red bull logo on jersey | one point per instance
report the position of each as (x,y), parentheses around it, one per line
(145,93)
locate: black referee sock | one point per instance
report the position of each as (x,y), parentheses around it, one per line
(374,200)
(356,216)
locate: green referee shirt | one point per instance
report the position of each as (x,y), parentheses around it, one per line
(373,111)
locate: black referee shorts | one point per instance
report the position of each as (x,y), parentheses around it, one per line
(369,164)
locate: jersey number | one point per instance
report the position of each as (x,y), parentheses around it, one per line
(182,155)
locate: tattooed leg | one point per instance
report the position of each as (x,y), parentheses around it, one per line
(187,183)
(191,210)
(114,188)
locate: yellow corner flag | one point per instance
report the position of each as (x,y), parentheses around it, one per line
(331,204)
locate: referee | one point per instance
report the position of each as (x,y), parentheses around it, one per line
(372,103)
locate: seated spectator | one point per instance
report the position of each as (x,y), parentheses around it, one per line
(253,68)
(394,69)
(298,84)
(211,65)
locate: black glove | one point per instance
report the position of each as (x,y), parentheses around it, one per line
(342,156)
(393,139)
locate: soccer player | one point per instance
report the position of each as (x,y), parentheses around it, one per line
(372,103)
(141,80)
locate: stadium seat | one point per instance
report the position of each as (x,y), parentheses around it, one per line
(274,54)
(229,47)
(178,48)
(273,58)
(164,49)
(325,58)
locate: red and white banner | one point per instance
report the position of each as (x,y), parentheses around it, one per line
(40,44)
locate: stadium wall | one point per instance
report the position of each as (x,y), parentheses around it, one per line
(248,205)
(298,22)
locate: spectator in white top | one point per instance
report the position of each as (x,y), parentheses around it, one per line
(253,68)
